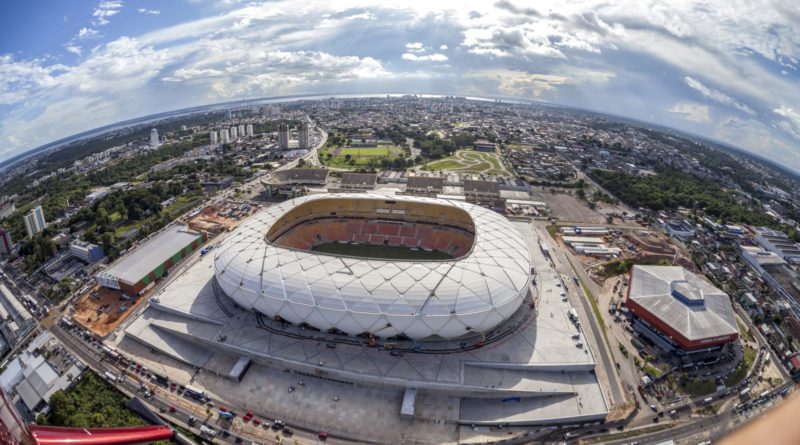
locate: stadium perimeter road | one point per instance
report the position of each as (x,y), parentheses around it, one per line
(564,267)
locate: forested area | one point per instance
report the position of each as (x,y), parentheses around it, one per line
(670,189)
(91,403)
(434,147)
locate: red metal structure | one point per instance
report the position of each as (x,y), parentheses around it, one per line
(53,435)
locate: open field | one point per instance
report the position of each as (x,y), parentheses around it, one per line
(349,157)
(470,161)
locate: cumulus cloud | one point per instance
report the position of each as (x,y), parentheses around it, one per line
(148,11)
(717,96)
(443,47)
(436,57)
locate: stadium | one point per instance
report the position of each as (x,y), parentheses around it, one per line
(686,312)
(365,264)
(377,299)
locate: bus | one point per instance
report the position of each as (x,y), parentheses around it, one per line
(194,392)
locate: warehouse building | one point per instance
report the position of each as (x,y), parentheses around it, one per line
(138,269)
(679,310)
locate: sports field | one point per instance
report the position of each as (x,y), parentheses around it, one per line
(351,157)
(470,161)
(383,252)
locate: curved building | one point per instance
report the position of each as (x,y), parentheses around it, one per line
(336,262)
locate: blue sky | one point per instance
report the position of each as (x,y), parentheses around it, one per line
(724,69)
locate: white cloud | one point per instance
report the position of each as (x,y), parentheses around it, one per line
(424,57)
(691,111)
(620,57)
(86,32)
(717,96)
(415,47)
(104,10)
(74,49)
(788,113)
(148,11)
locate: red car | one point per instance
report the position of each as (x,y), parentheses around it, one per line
(322,435)
(248,416)
(256,422)
(172,387)
(222,408)
(172,409)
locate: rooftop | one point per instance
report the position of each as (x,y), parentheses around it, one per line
(684,301)
(135,265)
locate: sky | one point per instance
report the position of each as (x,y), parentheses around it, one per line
(723,69)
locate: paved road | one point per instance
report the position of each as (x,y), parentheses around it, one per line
(565,269)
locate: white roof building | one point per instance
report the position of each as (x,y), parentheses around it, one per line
(448,298)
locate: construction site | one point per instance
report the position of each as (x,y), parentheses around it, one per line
(102,309)
(220,217)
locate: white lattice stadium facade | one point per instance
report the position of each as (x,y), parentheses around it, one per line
(267,265)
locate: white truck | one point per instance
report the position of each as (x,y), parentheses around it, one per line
(207,431)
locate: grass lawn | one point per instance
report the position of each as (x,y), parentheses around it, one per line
(181,202)
(652,370)
(744,332)
(445,164)
(121,230)
(360,156)
(697,388)
(469,161)
(739,373)
(552,230)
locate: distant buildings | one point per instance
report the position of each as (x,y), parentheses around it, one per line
(86,252)
(485,146)
(679,229)
(779,243)
(241,131)
(250,130)
(234,133)
(224,136)
(302,142)
(37,373)
(6,245)
(34,221)
(154,141)
(213,137)
(283,137)
(6,209)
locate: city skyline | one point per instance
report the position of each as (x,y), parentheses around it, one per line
(727,73)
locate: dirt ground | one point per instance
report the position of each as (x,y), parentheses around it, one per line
(98,310)
(219,218)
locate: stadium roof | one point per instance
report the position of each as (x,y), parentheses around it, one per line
(684,301)
(418,298)
(434,184)
(472,186)
(300,176)
(137,264)
(359,179)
